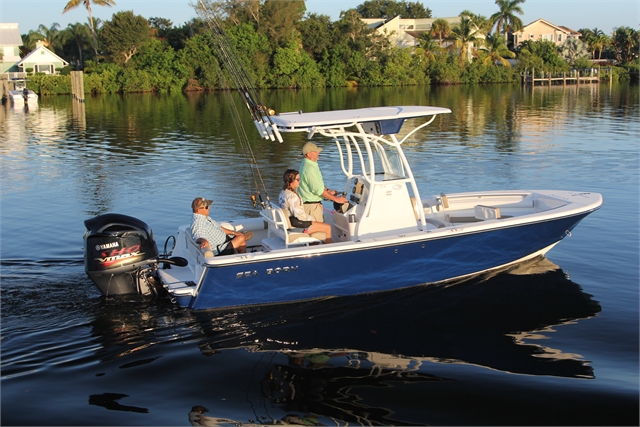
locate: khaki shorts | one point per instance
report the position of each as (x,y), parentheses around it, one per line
(314,209)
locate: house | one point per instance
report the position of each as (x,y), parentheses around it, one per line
(544,30)
(10,42)
(406,32)
(41,60)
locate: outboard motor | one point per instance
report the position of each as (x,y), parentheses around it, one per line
(120,254)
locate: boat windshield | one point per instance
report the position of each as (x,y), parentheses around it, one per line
(383,162)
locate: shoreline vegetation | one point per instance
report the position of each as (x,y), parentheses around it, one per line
(281,47)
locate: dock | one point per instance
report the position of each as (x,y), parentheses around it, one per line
(578,77)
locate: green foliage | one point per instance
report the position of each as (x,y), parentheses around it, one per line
(505,19)
(626,44)
(65,71)
(132,81)
(278,48)
(46,85)
(278,19)
(254,51)
(573,49)
(445,69)
(124,35)
(401,68)
(386,9)
(582,63)
(293,68)
(159,60)
(102,78)
(316,36)
(199,59)
(541,55)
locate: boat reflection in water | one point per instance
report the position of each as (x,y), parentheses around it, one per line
(329,357)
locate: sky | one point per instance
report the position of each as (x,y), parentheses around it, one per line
(575,14)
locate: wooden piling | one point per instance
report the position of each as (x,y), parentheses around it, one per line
(77,85)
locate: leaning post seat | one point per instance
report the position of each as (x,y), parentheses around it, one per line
(280,226)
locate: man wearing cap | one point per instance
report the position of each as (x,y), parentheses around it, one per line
(312,189)
(211,235)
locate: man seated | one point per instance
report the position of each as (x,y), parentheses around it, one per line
(211,235)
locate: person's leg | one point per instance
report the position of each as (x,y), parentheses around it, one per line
(314,209)
(323,227)
(239,244)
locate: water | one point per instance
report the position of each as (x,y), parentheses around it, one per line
(553,342)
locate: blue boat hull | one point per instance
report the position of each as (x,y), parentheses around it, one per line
(375,269)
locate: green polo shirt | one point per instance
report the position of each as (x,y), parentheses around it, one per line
(311,182)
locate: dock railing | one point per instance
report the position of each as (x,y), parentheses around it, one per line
(575,76)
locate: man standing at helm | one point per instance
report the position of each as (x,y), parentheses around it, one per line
(312,189)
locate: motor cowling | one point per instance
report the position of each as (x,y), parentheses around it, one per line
(120,253)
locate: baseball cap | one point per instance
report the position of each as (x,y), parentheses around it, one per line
(200,202)
(310,147)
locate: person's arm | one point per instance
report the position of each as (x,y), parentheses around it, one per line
(203,243)
(231,232)
(331,196)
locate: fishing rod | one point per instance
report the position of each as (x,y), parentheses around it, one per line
(240,79)
(260,114)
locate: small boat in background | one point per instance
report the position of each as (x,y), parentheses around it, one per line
(21,96)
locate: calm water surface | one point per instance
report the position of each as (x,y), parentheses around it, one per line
(552,342)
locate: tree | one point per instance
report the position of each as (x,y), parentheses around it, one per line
(278,20)
(483,24)
(541,55)
(87,3)
(50,37)
(625,44)
(465,34)
(573,49)
(386,9)
(124,34)
(496,49)
(426,46)
(234,12)
(315,33)
(505,19)
(160,27)
(80,36)
(440,27)
(600,43)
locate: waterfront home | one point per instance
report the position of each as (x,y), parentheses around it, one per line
(544,30)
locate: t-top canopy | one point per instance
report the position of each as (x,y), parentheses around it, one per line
(299,122)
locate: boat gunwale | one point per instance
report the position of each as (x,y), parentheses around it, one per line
(379,243)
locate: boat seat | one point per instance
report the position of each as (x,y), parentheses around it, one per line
(194,248)
(280,225)
(431,221)
(480,213)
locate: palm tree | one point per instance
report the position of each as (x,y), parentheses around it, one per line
(573,49)
(602,41)
(484,25)
(625,41)
(80,35)
(505,19)
(49,36)
(440,27)
(426,46)
(497,50)
(87,3)
(464,34)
